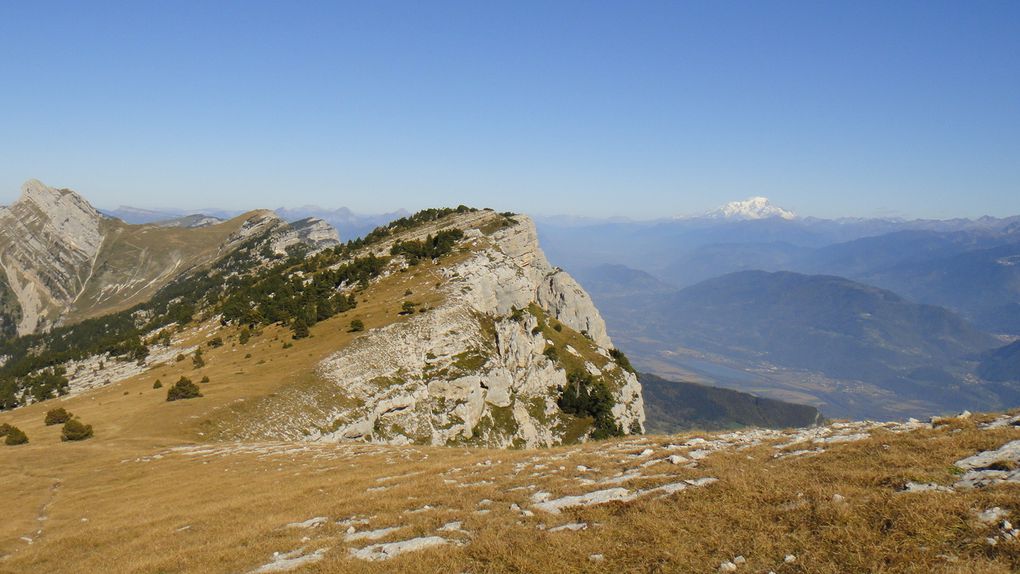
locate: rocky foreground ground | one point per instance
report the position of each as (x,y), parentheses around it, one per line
(848,497)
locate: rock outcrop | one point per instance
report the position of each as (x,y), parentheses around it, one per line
(312,232)
(475,368)
(49,241)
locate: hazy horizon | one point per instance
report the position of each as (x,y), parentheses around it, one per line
(218,210)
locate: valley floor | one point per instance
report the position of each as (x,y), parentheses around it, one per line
(829,499)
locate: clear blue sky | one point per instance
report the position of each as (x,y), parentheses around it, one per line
(640,109)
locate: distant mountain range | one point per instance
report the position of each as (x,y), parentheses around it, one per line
(754,234)
(666,291)
(748,209)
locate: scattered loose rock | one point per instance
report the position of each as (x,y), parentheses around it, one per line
(393,549)
(285,562)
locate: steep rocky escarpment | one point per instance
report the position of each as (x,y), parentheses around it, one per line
(49,240)
(488,365)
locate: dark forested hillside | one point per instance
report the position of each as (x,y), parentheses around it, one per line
(675,406)
(855,349)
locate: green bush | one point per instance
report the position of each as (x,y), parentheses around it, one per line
(300,329)
(158,384)
(586,397)
(216,341)
(57,416)
(75,430)
(198,360)
(621,360)
(407,308)
(183,389)
(204,379)
(430,248)
(15,436)
(357,325)
(244,336)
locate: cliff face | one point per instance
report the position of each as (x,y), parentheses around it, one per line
(64,261)
(475,368)
(49,240)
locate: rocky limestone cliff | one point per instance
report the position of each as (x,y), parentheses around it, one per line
(49,240)
(473,369)
(311,231)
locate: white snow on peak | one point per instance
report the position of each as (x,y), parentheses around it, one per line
(751,208)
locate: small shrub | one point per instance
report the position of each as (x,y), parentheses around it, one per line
(158,384)
(204,379)
(183,389)
(15,436)
(357,325)
(179,357)
(247,355)
(244,336)
(550,353)
(408,293)
(300,329)
(621,360)
(215,342)
(288,345)
(57,416)
(198,359)
(74,429)
(407,308)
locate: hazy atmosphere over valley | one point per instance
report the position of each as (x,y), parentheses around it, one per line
(468,287)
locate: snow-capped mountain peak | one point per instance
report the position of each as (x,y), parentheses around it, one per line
(752,208)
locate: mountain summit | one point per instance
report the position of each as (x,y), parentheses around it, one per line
(751,208)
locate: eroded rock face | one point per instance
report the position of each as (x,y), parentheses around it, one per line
(472,370)
(312,232)
(49,240)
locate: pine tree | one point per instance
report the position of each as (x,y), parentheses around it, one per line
(300,328)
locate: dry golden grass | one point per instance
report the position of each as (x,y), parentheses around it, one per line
(225,509)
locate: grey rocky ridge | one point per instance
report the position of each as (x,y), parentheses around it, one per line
(63,261)
(485,366)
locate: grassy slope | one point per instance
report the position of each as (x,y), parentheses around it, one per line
(226,512)
(144,258)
